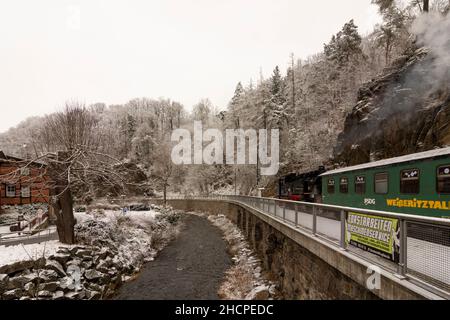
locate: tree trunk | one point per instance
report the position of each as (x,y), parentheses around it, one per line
(388,49)
(63,203)
(426,5)
(165,195)
(65,220)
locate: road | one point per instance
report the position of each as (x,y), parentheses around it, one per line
(191,267)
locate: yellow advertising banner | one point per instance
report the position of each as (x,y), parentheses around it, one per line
(372,233)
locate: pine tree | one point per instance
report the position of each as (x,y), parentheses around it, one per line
(262,98)
(236,106)
(238,92)
(276,82)
(276,114)
(345,45)
(391,30)
(383,4)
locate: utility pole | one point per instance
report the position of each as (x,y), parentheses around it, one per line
(293,81)
(257,165)
(235,180)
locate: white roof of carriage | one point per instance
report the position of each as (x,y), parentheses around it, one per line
(385,162)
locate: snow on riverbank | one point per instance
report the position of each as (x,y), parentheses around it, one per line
(246,279)
(138,217)
(28,252)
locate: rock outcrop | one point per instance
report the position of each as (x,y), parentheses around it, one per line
(404,110)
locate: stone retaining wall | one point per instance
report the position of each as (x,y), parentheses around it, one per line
(78,272)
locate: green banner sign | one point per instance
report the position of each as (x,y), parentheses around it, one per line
(375,234)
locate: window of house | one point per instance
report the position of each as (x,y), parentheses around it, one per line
(360,184)
(343,185)
(330,186)
(11,191)
(443,179)
(26,191)
(25,171)
(381,183)
(410,181)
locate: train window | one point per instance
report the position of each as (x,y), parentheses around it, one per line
(360,184)
(381,183)
(330,186)
(298,191)
(343,186)
(443,179)
(410,181)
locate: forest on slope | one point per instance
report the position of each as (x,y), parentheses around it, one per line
(319,105)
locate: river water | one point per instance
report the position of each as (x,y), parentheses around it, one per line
(192,267)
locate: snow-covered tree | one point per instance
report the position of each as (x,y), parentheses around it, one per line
(235,106)
(345,45)
(277,116)
(392,31)
(202,111)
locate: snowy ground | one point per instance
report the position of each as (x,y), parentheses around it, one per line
(138,236)
(4,229)
(27,252)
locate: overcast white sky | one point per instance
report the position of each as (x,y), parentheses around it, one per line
(112,51)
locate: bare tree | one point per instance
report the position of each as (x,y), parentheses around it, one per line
(70,143)
(163,168)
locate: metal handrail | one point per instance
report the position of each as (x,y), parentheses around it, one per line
(386,214)
(266,205)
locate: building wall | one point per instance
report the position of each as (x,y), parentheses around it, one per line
(37,180)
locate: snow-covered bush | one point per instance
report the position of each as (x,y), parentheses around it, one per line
(135,236)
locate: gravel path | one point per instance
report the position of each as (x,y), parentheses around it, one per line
(191,267)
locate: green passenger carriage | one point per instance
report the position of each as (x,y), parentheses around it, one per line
(413,184)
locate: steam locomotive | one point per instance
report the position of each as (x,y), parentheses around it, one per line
(305,187)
